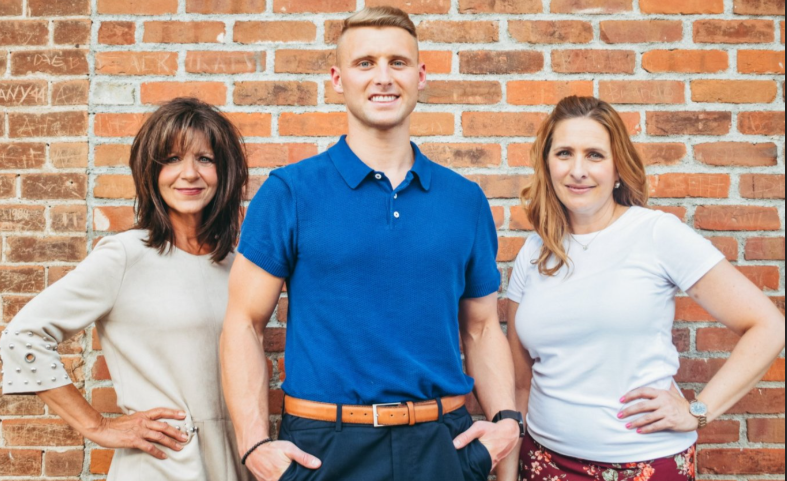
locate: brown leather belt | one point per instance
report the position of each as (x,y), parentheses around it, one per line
(378,415)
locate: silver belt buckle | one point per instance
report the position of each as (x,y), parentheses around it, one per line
(377,414)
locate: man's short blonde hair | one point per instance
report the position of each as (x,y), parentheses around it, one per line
(380,17)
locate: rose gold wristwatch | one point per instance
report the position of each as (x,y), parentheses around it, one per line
(700,411)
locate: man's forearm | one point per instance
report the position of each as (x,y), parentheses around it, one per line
(245,382)
(490,363)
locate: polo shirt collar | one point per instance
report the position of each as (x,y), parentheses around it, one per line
(422,168)
(354,171)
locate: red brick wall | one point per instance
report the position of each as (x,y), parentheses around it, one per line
(44,131)
(700,82)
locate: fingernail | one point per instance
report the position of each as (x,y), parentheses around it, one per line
(620,415)
(182,414)
(315,463)
(623,399)
(639,431)
(184,437)
(628,426)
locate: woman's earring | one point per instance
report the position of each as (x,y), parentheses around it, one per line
(617,185)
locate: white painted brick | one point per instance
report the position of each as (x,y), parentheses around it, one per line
(111,93)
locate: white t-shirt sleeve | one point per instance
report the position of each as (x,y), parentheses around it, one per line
(683,254)
(516,285)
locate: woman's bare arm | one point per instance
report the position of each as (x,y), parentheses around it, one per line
(141,430)
(523,371)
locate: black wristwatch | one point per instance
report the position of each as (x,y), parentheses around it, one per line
(516,416)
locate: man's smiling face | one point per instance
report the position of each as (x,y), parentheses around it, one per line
(379,74)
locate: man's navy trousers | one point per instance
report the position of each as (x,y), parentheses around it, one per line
(352,452)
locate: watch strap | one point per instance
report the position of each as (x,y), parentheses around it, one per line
(516,416)
(703,421)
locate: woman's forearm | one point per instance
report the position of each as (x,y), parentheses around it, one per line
(508,469)
(68,403)
(146,431)
(737,303)
(749,362)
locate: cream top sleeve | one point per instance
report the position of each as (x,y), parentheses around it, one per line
(28,346)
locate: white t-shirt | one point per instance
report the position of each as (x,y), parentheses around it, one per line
(605,330)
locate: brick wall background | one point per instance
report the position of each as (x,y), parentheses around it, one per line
(700,82)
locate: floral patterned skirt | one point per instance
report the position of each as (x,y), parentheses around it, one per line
(537,463)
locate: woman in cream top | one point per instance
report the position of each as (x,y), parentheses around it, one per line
(158,309)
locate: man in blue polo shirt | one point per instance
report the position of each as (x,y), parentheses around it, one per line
(389,261)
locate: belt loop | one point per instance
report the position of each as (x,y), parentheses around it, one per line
(339,418)
(411,412)
(439,410)
(283,404)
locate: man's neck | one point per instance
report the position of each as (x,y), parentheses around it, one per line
(387,151)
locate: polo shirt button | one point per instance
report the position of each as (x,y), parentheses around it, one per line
(396,214)
(396,196)
(378,176)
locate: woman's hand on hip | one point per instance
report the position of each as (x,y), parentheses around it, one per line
(142,430)
(270,461)
(660,410)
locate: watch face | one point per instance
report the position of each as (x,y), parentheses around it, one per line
(699,409)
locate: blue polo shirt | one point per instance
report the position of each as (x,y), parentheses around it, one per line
(374,274)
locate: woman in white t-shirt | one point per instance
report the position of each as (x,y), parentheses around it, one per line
(592,303)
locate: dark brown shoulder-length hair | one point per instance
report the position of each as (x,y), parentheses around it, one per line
(171,129)
(542,205)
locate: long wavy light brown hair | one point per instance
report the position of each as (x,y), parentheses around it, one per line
(543,207)
(172,128)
